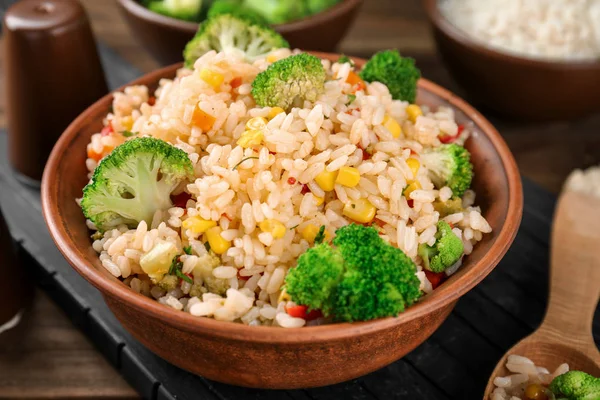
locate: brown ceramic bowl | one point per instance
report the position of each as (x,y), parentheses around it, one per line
(165,37)
(515,86)
(267,357)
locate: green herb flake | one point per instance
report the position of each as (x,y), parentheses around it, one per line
(321,235)
(294,227)
(183,276)
(244,159)
(345,59)
(187,250)
(207,246)
(129,133)
(174,265)
(351,98)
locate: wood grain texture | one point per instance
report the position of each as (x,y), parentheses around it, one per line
(46,357)
(545,152)
(565,335)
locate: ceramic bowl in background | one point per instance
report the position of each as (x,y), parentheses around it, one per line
(165,37)
(516,86)
(269,357)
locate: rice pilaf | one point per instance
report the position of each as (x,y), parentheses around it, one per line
(262,199)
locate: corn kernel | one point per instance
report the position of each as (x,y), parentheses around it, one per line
(256,123)
(392,125)
(414,185)
(326,180)
(319,200)
(214,79)
(271,58)
(127,122)
(197,224)
(414,165)
(203,120)
(348,176)
(284,296)
(274,227)
(216,241)
(360,210)
(310,231)
(275,111)
(251,138)
(413,112)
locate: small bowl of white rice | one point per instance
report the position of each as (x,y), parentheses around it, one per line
(529,60)
(237,327)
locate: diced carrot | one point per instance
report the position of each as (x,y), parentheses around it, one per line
(152,100)
(435,278)
(410,202)
(355,81)
(93,155)
(235,82)
(203,120)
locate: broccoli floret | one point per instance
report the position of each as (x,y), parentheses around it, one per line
(315,278)
(235,7)
(358,278)
(446,251)
(227,32)
(133,182)
(345,59)
(576,385)
(398,73)
(278,11)
(317,6)
(187,10)
(169,282)
(449,165)
(297,77)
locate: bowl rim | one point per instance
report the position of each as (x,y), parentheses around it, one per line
(135,8)
(442,297)
(439,21)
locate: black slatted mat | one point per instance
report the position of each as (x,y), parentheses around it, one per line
(453,364)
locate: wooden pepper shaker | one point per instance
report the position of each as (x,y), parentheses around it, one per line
(15,291)
(53,73)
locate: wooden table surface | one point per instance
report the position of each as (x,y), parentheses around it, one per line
(54,360)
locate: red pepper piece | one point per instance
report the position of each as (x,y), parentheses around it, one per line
(300,311)
(180,200)
(107,130)
(436,278)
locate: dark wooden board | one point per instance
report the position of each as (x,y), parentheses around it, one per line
(453,364)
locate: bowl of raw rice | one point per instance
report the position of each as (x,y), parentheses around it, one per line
(202,283)
(537,60)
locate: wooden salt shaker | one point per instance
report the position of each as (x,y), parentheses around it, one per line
(53,73)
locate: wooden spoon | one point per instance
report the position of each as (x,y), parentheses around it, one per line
(565,335)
